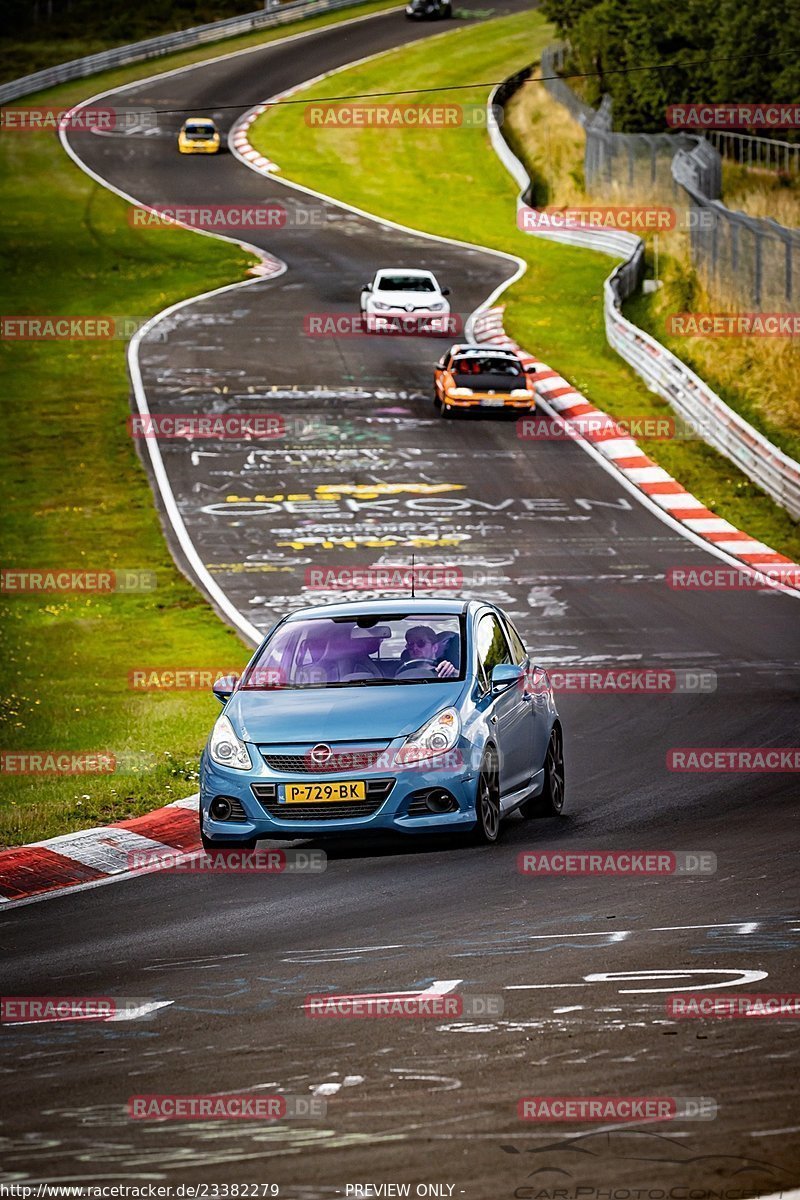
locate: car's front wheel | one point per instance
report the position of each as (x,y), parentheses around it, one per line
(487,802)
(551,801)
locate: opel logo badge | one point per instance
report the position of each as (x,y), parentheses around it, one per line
(320,754)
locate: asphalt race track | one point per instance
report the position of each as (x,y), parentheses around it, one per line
(367,474)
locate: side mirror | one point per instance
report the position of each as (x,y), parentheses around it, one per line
(505,675)
(367,287)
(445,291)
(224,688)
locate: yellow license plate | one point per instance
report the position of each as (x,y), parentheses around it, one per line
(319,793)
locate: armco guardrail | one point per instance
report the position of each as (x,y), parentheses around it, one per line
(79,68)
(664,374)
(701,407)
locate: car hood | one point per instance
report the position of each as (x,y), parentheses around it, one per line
(339,714)
(401,299)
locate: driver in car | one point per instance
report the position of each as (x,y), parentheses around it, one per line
(421,642)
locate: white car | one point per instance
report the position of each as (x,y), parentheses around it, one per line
(401,299)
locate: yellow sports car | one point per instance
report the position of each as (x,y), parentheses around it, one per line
(470,376)
(198,135)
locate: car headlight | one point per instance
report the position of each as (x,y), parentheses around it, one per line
(226,748)
(459,391)
(437,307)
(437,736)
(521,393)
(381,307)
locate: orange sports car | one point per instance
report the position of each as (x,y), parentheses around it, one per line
(470,376)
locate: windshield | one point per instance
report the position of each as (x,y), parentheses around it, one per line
(200,131)
(378,651)
(405,283)
(472,367)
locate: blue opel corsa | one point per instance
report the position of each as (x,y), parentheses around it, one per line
(413,715)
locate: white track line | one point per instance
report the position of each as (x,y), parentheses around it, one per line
(208,584)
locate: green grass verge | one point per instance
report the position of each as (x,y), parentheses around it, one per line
(77,497)
(448,181)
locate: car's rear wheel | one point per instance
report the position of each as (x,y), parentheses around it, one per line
(487,802)
(220,844)
(551,801)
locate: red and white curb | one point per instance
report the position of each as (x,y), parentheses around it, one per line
(240,143)
(592,424)
(268,268)
(92,856)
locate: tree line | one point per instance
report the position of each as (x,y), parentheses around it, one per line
(610,39)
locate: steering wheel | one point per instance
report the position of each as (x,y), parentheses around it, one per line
(416,664)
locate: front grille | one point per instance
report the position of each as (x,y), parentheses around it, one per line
(301,764)
(322,812)
(334,810)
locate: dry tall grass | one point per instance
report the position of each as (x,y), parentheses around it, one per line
(756,375)
(762,193)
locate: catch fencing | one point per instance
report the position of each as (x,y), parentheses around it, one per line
(756,153)
(744,260)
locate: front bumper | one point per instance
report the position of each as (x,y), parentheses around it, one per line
(389,814)
(399,321)
(488,402)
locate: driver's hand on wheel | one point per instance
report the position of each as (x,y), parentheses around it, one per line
(445,669)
